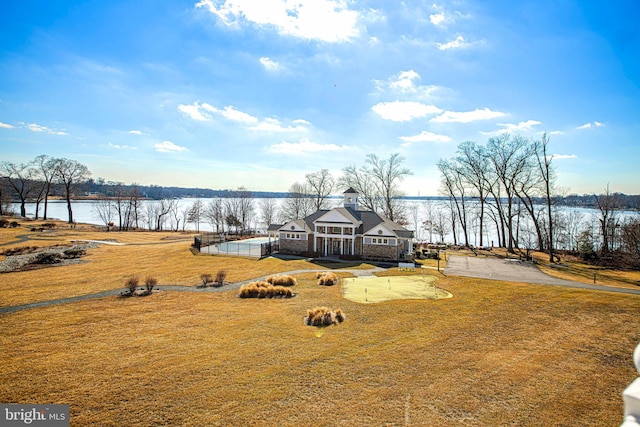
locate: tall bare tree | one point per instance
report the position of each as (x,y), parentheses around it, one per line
(71,174)
(378,183)
(321,184)
(298,203)
(20,178)
(607,204)
(48,169)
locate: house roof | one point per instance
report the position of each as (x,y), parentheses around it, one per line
(363,220)
(350,190)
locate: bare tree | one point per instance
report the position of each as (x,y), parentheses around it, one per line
(387,174)
(509,157)
(361,181)
(454,187)
(195,213)
(474,167)
(20,178)
(48,169)
(214,213)
(607,204)
(298,203)
(104,209)
(321,184)
(547,175)
(71,173)
(268,211)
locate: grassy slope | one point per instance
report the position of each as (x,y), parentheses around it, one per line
(495,354)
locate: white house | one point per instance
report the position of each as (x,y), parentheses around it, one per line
(346,231)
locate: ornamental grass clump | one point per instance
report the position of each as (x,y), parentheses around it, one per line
(327,279)
(149,284)
(282,280)
(323,316)
(264,289)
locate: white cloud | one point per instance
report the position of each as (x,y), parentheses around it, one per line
(405,83)
(302,122)
(437,18)
(136,132)
(200,112)
(230,113)
(591,125)
(5,126)
(38,128)
(424,136)
(168,147)
(270,65)
(458,43)
(123,147)
(467,116)
(323,20)
(304,146)
(194,112)
(404,111)
(564,156)
(514,128)
(274,125)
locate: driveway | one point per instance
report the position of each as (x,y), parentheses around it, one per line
(514,271)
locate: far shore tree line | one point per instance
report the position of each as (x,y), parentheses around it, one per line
(506,186)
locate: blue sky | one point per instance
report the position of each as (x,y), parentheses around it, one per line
(227,93)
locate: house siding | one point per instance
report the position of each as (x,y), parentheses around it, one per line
(296,246)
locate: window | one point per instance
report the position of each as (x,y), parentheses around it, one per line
(320,229)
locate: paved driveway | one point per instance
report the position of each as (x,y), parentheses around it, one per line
(514,271)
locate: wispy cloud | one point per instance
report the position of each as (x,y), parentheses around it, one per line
(270,65)
(136,132)
(467,116)
(424,136)
(591,125)
(5,126)
(458,43)
(274,125)
(404,111)
(304,146)
(195,112)
(322,20)
(564,156)
(202,112)
(169,147)
(123,147)
(514,127)
(33,127)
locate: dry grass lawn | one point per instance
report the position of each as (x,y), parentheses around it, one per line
(496,353)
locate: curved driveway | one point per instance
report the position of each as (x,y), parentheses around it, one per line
(515,271)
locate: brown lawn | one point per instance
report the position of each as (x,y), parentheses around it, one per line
(495,354)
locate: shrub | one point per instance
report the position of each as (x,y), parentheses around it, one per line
(220,276)
(4,223)
(264,290)
(74,253)
(323,316)
(282,280)
(46,258)
(206,279)
(14,224)
(149,284)
(327,279)
(131,284)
